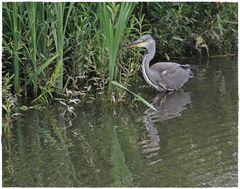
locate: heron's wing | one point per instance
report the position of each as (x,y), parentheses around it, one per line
(171,75)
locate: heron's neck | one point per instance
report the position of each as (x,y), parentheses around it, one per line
(149,56)
(151,51)
(146,63)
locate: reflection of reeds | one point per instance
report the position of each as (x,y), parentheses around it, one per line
(121,173)
(41,156)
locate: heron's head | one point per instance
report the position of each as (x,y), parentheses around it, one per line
(143,41)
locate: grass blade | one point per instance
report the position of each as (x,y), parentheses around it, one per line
(15,49)
(113,29)
(32,19)
(41,68)
(41,41)
(139,98)
(68,14)
(59,41)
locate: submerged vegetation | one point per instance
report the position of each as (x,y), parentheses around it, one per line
(52,49)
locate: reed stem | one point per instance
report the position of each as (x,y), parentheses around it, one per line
(32,19)
(60,43)
(15,49)
(113,23)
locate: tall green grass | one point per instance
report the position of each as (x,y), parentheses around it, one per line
(41,30)
(33,48)
(114,18)
(59,41)
(38,31)
(15,48)
(59,33)
(49,48)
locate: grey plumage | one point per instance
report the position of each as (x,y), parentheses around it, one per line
(164,76)
(170,74)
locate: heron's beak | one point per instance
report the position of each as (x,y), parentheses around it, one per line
(131,46)
(134,44)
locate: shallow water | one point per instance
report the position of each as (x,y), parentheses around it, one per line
(190,141)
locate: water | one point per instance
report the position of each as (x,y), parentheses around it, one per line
(190,141)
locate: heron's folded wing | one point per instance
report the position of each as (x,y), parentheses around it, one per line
(172,75)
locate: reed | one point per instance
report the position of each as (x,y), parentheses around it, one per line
(45,44)
(15,48)
(113,19)
(33,52)
(41,29)
(59,33)
(59,41)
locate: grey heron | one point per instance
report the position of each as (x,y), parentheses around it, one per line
(164,76)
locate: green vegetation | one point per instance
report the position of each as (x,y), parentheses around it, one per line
(15,49)
(112,30)
(182,29)
(52,49)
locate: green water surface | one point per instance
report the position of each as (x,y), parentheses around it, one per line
(190,141)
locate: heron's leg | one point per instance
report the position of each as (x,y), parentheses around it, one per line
(160,89)
(163,86)
(170,91)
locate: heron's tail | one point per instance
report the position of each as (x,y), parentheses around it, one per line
(189,67)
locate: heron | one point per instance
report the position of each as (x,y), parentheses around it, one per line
(163,76)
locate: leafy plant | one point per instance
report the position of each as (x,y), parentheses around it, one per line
(113,19)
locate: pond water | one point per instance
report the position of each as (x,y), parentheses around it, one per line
(190,141)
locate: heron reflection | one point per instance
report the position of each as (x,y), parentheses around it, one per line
(169,106)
